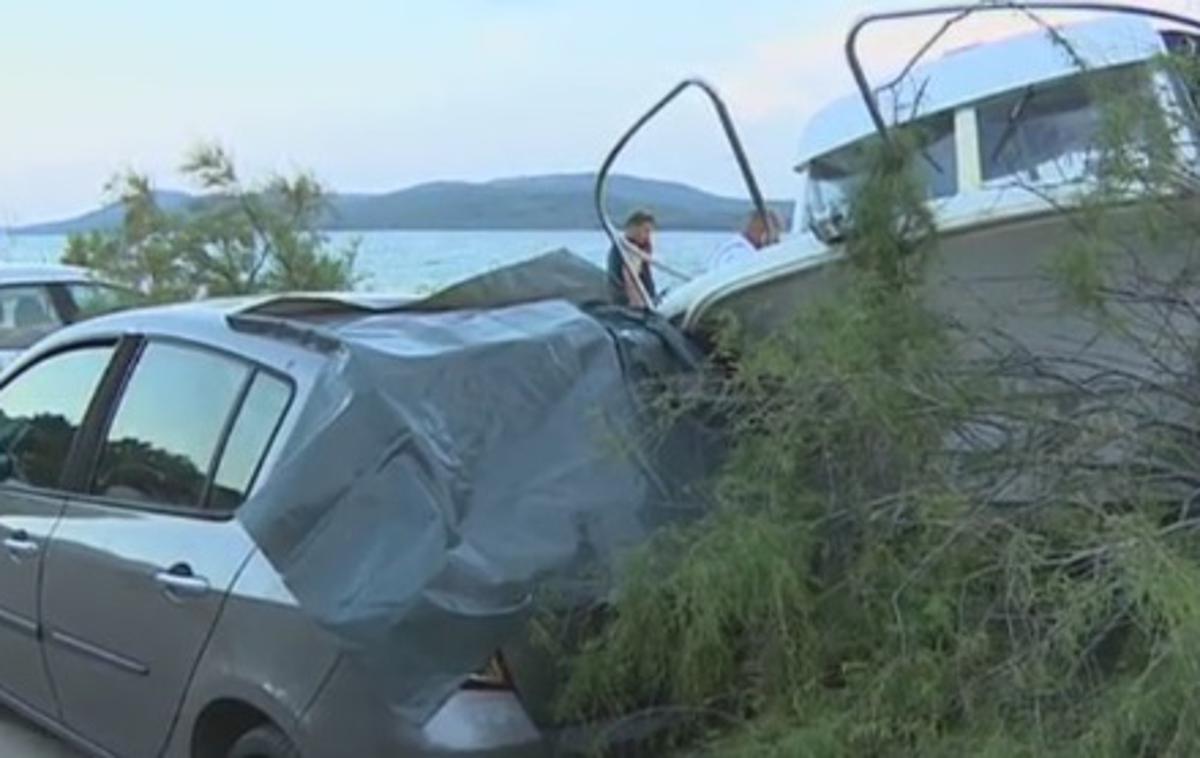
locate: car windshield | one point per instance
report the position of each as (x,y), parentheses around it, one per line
(27,313)
(835,177)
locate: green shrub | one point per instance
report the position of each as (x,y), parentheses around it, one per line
(234,240)
(910,557)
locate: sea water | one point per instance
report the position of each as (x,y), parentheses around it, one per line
(420,261)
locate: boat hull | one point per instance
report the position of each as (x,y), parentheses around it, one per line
(1003,287)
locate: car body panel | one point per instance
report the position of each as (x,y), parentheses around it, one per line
(27,519)
(32,273)
(119,636)
(263,653)
(349,718)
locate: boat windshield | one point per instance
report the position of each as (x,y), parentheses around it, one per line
(1051,133)
(1044,134)
(834,178)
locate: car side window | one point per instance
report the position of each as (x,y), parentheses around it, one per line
(167,426)
(26,313)
(251,436)
(94,299)
(42,409)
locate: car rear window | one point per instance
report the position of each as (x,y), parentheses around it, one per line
(249,440)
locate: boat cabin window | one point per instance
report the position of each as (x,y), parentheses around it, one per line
(1048,133)
(1185,47)
(834,178)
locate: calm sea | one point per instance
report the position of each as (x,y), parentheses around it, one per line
(420,261)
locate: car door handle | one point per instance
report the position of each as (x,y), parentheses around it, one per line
(179,582)
(19,545)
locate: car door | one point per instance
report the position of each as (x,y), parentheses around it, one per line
(140,563)
(42,409)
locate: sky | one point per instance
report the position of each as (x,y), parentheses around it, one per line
(377,95)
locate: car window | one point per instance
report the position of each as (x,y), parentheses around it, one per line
(26,313)
(94,299)
(167,426)
(259,418)
(42,409)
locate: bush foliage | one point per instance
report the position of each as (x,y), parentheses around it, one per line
(234,240)
(923,550)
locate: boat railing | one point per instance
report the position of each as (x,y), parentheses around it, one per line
(631,255)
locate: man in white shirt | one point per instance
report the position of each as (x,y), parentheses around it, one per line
(758,232)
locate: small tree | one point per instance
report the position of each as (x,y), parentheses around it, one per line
(234,240)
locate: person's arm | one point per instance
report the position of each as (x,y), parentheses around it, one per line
(632,289)
(774,234)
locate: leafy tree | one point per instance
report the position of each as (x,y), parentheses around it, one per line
(237,239)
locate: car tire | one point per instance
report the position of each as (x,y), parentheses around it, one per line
(264,742)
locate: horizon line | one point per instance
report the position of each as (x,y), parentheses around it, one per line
(103,203)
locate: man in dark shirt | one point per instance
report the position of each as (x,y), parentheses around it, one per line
(626,271)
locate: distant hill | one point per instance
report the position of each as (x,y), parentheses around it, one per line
(562,201)
(108,217)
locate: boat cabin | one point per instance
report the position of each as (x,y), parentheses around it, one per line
(1020,114)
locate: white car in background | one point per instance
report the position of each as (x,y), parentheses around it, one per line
(36,300)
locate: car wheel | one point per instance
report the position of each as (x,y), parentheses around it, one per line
(264,742)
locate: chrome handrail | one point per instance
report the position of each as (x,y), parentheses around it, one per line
(629,252)
(962,11)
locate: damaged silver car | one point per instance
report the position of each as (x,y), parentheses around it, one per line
(209,553)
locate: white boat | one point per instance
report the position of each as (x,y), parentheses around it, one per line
(1012,128)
